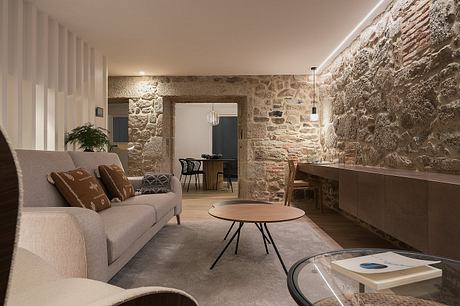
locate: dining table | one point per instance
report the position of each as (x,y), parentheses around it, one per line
(211,167)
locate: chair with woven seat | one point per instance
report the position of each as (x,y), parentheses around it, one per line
(293,184)
(186,170)
(197,171)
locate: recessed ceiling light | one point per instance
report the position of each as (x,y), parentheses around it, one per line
(358,26)
(141,72)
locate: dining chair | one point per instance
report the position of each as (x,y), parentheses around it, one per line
(293,184)
(186,171)
(196,171)
(229,172)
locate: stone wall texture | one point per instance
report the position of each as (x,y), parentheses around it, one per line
(273,119)
(392,97)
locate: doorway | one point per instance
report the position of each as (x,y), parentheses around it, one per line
(195,138)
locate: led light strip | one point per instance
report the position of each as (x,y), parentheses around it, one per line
(358,26)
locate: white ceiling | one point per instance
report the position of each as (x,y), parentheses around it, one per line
(210,37)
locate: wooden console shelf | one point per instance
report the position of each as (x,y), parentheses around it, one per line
(421,209)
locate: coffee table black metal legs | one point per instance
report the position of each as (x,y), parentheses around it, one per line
(227,245)
(229,230)
(276,249)
(261,227)
(238,238)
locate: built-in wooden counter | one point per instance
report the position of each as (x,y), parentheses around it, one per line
(421,209)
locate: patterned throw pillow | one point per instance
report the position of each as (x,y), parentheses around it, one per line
(116,182)
(156,183)
(80,189)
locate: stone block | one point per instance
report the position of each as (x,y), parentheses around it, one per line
(275,113)
(153,148)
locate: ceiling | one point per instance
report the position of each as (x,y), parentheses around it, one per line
(210,37)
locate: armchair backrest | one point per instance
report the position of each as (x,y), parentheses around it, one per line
(9,206)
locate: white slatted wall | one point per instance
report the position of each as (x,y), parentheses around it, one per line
(50,79)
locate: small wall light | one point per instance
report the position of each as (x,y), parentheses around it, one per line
(99,112)
(314,113)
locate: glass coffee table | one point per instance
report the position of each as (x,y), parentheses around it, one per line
(312,281)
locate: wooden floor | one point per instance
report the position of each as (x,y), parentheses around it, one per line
(347,233)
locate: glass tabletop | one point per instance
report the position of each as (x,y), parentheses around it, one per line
(313,281)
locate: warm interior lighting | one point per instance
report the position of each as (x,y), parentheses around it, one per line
(358,26)
(141,72)
(314,113)
(213,117)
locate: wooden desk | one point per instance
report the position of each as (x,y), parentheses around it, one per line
(421,209)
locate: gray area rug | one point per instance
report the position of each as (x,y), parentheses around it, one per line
(180,257)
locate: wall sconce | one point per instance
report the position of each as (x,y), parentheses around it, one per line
(314,113)
(99,112)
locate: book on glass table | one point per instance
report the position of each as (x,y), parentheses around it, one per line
(386,270)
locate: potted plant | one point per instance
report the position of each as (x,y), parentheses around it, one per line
(88,137)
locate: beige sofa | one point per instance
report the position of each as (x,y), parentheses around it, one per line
(78,242)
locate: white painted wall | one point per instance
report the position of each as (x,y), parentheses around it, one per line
(50,79)
(193,133)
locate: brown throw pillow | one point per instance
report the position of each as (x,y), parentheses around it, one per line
(81,189)
(116,182)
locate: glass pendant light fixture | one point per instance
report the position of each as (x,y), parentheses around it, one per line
(213,117)
(314,112)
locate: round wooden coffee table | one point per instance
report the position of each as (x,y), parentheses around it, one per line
(260,215)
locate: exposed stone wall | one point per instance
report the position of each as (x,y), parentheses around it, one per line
(392,97)
(273,121)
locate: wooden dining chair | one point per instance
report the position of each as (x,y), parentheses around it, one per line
(292,184)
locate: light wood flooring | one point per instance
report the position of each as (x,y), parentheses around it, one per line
(332,225)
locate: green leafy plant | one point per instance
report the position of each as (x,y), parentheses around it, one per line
(88,137)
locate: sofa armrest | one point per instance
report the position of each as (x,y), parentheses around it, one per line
(176,187)
(70,239)
(148,296)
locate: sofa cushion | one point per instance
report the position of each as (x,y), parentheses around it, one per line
(156,183)
(81,189)
(124,225)
(116,182)
(35,166)
(161,202)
